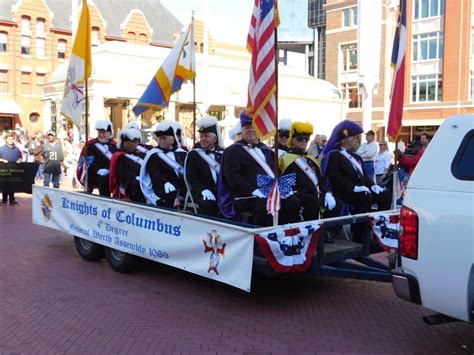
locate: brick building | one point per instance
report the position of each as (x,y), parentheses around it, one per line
(439,77)
(36,38)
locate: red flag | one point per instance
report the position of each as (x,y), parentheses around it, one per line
(398,60)
(262,82)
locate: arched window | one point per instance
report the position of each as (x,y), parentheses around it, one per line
(95,41)
(25,26)
(40,28)
(62,49)
(131,37)
(3,42)
(143,38)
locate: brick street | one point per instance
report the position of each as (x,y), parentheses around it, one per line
(52,301)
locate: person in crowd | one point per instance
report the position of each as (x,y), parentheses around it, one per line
(382,162)
(125,166)
(203,166)
(246,175)
(284,126)
(53,156)
(94,160)
(368,152)
(424,140)
(68,150)
(30,146)
(9,153)
(317,146)
(343,169)
(310,187)
(410,158)
(162,173)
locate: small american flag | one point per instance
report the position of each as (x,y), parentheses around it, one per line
(262,81)
(273,200)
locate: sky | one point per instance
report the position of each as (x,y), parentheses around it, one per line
(229,20)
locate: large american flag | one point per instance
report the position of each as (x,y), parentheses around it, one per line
(398,61)
(262,82)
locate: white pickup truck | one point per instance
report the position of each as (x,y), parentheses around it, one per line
(437,226)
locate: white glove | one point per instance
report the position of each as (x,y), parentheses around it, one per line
(329,201)
(169,187)
(137,178)
(363,189)
(377,189)
(207,195)
(258,193)
(103,172)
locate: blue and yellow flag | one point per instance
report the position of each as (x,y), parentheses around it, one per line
(179,66)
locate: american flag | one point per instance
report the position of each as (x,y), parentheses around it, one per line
(398,61)
(262,82)
(273,200)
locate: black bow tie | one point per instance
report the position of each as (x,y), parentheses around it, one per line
(252,145)
(210,151)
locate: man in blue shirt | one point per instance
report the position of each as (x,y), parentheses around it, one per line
(9,153)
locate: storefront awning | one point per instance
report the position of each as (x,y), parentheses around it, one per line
(9,106)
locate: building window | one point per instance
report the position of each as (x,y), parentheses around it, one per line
(143,38)
(349,17)
(350,91)
(25,45)
(316,13)
(25,26)
(472,86)
(428,46)
(62,49)
(40,47)
(427,88)
(131,37)
(39,81)
(3,81)
(25,82)
(95,41)
(40,28)
(349,57)
(472,42)
(346,20)
(354,13)
(3,42)
(428,8)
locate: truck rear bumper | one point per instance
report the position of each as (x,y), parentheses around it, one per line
(406,286)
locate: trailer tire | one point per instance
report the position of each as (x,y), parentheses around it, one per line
(392,259)
(88,250)
(120,261)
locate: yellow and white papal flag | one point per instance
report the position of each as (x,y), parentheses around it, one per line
(80,67)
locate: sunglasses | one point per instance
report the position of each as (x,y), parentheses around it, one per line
(284,135)
(302,139)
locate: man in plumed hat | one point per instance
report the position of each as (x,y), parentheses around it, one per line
(245,166)
(203,166)
(125,166)
(162,173)
(94,160)
(310,187)
(284,126)
(345,174)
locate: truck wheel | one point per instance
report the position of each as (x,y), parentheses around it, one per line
(392,259)
(88,250)
(120,261)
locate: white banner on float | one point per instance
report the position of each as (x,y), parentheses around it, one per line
(215,250)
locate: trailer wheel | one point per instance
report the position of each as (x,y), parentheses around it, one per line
(392,259)
(120,261)
(88,250)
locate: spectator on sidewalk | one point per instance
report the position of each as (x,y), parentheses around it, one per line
(424,140)
(53,155)
(382,162)
(411,157)
(9,153)
(368,151)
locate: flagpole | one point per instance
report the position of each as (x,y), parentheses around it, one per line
(86,180)
(194,86)
(276,168)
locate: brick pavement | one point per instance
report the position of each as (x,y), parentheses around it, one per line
(52,301)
